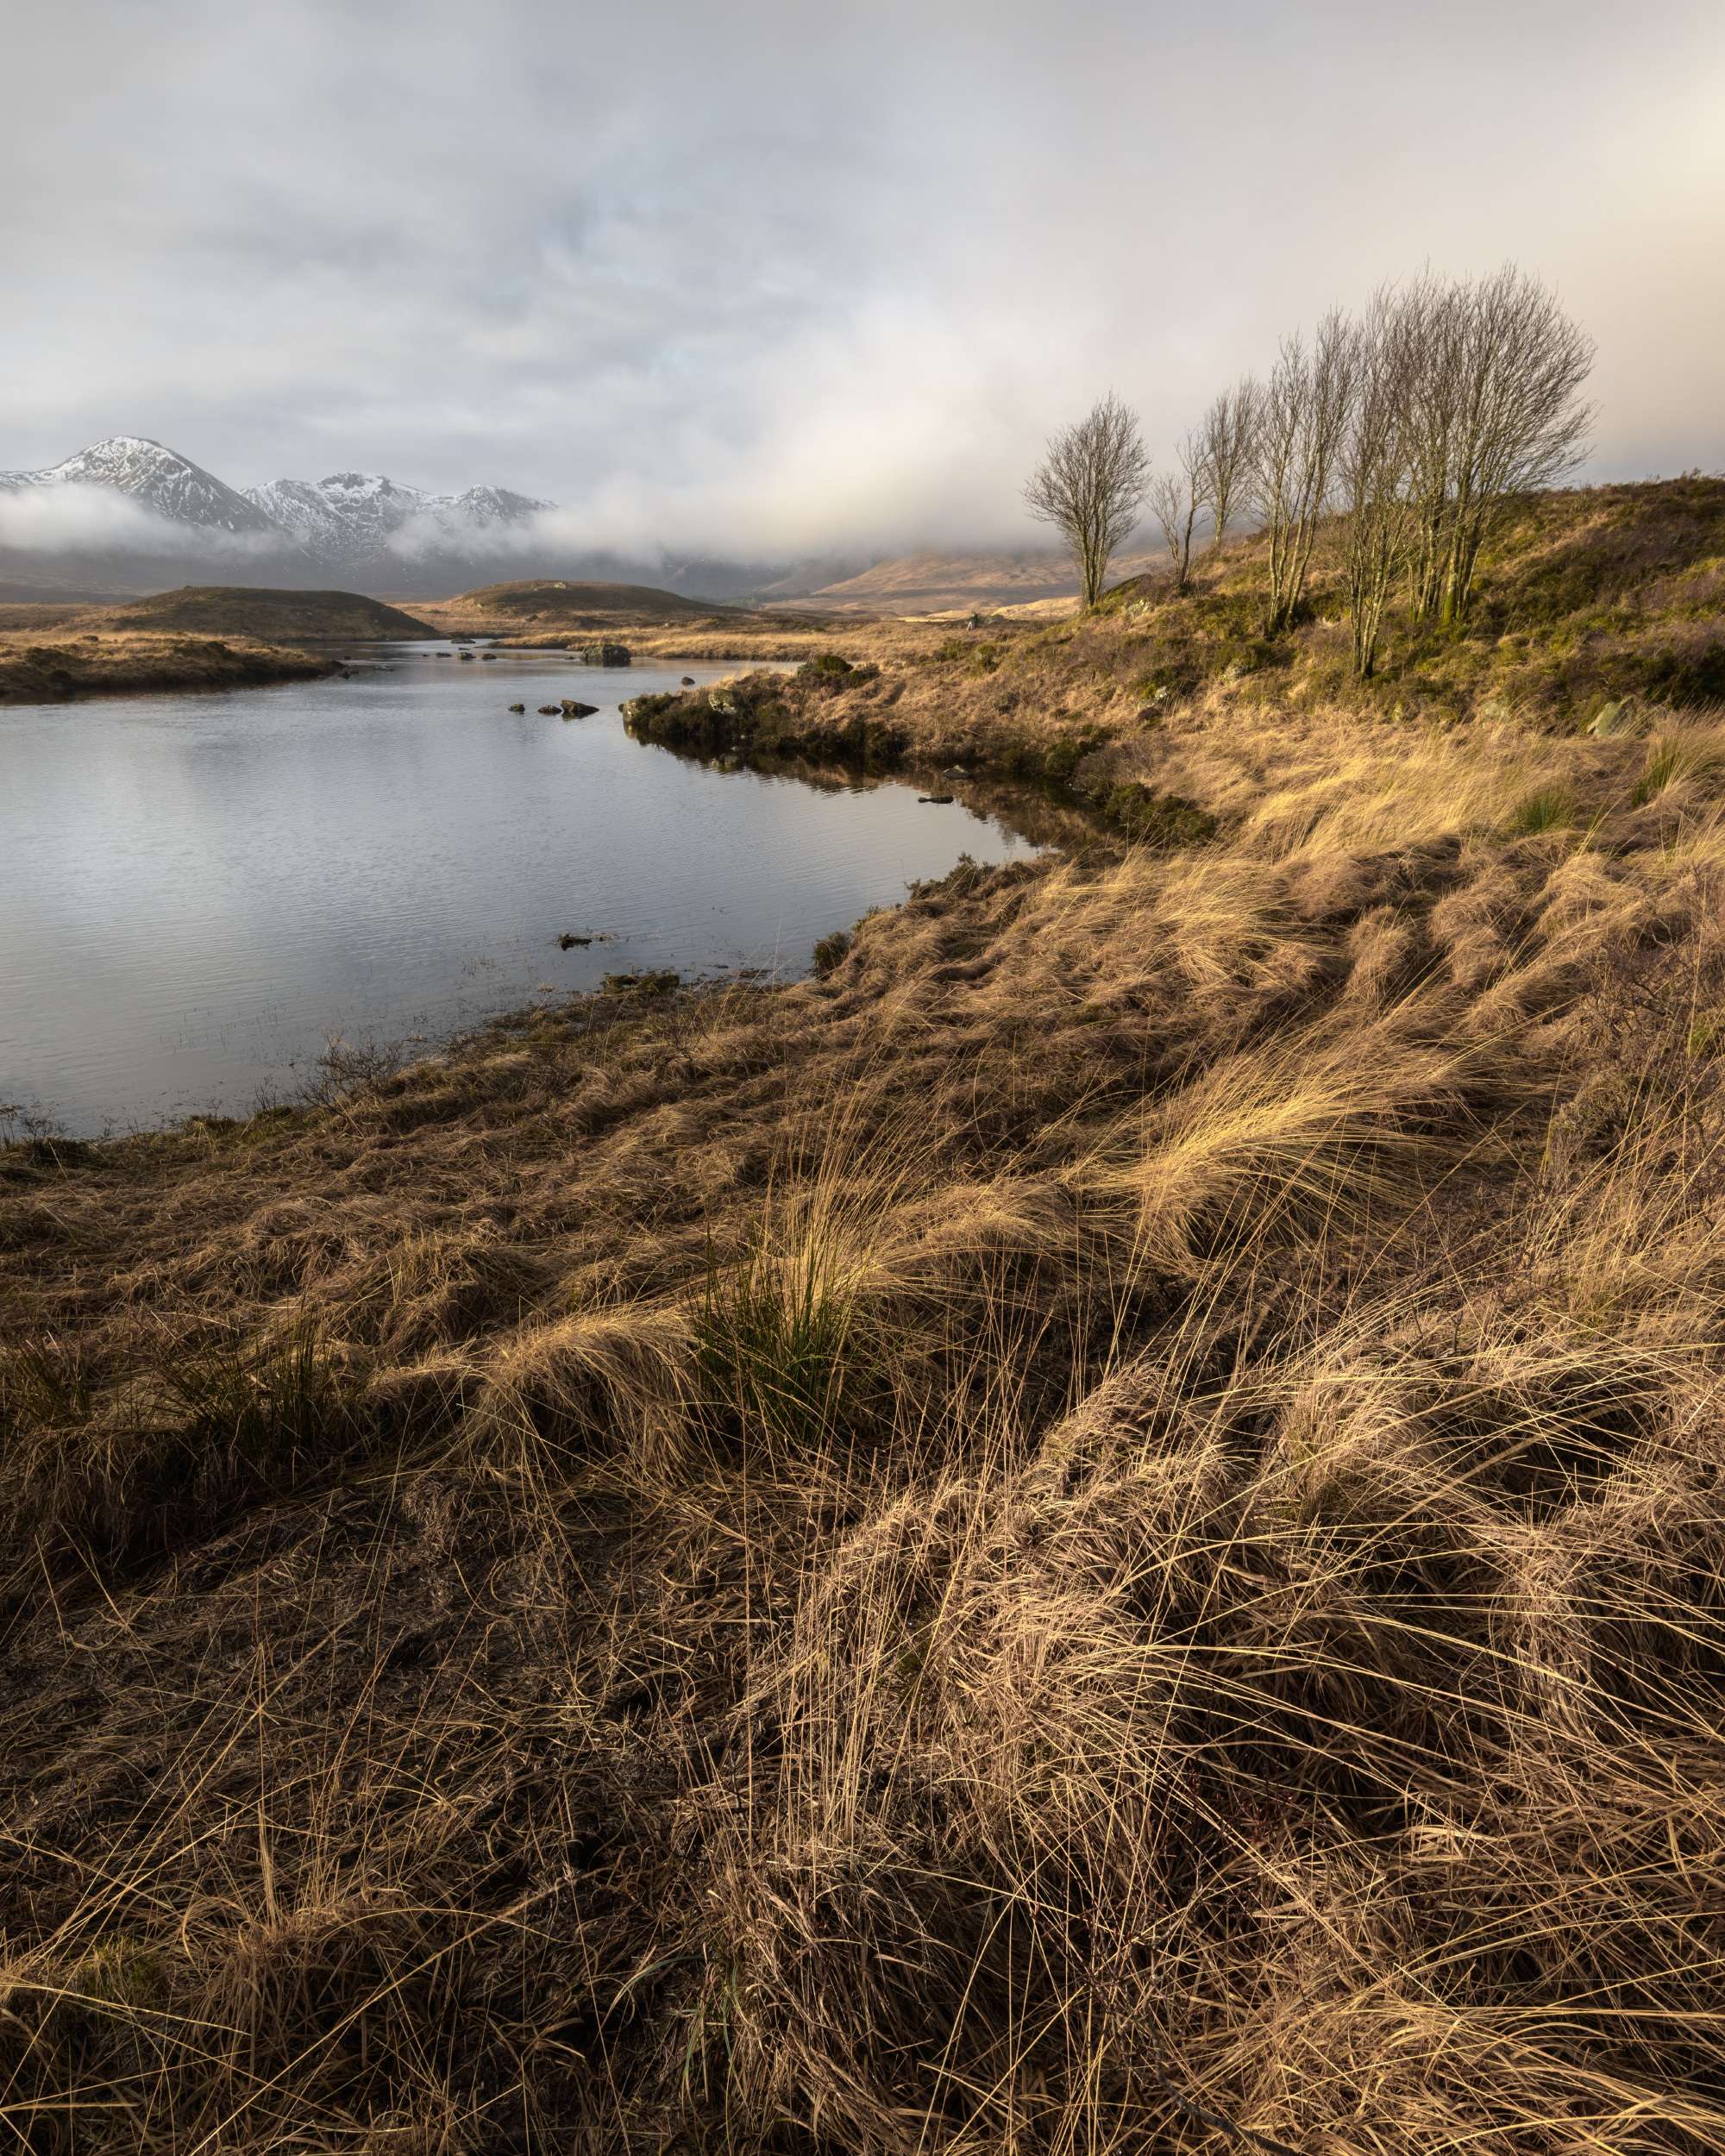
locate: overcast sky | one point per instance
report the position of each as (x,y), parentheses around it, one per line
(765,278)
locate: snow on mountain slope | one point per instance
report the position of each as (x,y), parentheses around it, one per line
(365,517)
(157,479)
(350,519)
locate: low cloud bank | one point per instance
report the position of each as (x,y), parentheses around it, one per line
(74,518)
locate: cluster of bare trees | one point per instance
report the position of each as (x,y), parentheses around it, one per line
(1414,422)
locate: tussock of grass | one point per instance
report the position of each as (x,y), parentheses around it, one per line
(1098,1529)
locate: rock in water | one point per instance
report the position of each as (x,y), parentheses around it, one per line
(603,653)
(572,709)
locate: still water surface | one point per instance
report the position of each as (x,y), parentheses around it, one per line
(198,892)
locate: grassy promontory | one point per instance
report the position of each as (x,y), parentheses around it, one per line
(1102,1528)
(53,667)
(202,636)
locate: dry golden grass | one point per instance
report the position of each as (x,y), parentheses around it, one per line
(1101,1531)
(45,665)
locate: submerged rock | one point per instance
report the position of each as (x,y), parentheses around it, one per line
(518,707)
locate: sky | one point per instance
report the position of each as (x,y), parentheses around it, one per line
(764,279)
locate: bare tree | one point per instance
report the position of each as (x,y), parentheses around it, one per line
(1227,435)
(1176,496)
(1090,485)
(1374,464)
(1303,413)
(1431,320)
(1520,424)
(1493,410)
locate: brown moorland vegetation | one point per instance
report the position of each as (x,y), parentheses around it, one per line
(246,610)
(655,624)
(1592,604)
(49,665)
(200,637)
(1102,1528)
(548,614)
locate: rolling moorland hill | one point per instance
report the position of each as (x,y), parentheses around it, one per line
(547,604)
(225,610)
(201,637)
(1100,1527)
(551,613)
(932,582)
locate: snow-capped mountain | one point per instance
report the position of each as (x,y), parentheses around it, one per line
(169,520)
(352,522)
(363,517)
(157,478)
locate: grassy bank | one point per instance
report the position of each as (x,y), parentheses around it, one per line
(51,666)
(201,637)
(1593,606)
(1102,1528)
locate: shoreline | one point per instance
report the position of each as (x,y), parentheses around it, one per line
(1090,1244)
(64,673)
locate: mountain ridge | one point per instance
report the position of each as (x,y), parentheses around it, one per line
(357,524)
(347,520)
(158,479)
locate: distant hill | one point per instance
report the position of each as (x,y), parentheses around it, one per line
(239,610)
(932,582)
(589,602)
(549,604)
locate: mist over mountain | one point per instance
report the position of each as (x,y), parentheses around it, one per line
(367,519)
(130,514)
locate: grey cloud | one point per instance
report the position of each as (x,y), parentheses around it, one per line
(776,276)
